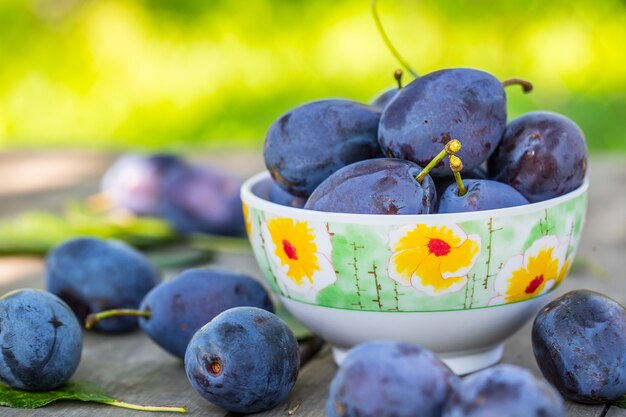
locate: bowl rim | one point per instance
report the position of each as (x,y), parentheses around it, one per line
(251,199)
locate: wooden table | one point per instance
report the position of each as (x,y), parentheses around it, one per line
(133,369)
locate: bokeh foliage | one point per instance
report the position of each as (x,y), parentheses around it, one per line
(189,74)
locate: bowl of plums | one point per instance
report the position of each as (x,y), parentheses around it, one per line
(424,216)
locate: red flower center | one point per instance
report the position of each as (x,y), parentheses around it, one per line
(534,284)
(290,250)
(438,247)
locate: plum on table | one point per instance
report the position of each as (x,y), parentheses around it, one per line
(504,390)
(579,342)
(41,340)
(245,360)
(174,310)
(390,379)
(92,275)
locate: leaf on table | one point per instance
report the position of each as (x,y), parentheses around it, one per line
(74,390)
(35,232)
(298,329)
(224,244)
(620,402)
(173,258)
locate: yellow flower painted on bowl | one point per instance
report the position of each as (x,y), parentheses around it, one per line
(300,253)
(432,259)
(247,218)
(525,276)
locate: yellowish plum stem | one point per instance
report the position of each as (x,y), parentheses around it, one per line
(388,43)
(451,148)
(527,86)
(456,165)
(166,408)
(95,318)
(397,75)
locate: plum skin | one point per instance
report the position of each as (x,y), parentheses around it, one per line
(376,186)
(186,303)
(459,103)
(480,195)
(310,142)
(579,342)
(390,379)
(504,390)
(245,360)
(41,340)
(92,275)
(202,199)
(542,155)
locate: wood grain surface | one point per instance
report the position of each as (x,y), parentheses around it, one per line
(133,369)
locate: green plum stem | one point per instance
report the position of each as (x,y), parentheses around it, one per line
(456,165)
(451,148)
(388,43)
(95,318)
(527,86)
(166,408)
(459,183)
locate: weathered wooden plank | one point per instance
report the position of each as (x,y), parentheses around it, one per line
(616,412)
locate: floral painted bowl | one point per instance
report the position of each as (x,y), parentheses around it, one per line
(458,284)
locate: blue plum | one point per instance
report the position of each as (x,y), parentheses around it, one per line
(461,103)
(383,99)
(480,195)
(504,390)
(203,199)
(441,183)
(390,379)
(41,340)
(135,181)
(279,196)
(307,144)
(579,342)
(245,360)
(174,310)
(542,155)
(375,186)
(92,275)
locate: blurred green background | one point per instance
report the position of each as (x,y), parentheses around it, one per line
(196,74)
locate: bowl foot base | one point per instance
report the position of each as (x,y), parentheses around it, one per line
(461,363)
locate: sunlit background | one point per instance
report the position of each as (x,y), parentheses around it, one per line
(198,74)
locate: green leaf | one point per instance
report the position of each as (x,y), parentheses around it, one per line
(35,232)
(73,390)
(620,402)
(179,257)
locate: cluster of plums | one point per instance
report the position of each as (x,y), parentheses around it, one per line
(191,197)
(240,356)
(579,341)
(338,155)
(236,352)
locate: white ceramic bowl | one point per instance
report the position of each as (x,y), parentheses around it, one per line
(458,284)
